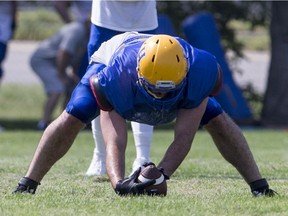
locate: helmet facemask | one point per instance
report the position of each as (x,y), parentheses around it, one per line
(161,89)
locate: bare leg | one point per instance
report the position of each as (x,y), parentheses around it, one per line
(55,142)
(49,106)
(233,146)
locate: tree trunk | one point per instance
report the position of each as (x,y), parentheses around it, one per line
(275,107)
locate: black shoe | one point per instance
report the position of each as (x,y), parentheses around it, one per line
(26,185)
(41,126)
(261,188)
(267,192)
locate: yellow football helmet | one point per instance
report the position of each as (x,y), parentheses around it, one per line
(161,63)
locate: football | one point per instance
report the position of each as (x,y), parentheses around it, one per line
(159,188)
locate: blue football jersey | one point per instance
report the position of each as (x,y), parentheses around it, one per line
(119,83)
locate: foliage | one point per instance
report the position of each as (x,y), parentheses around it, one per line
(38,20)
(242,25)
(251,12)
(37,24)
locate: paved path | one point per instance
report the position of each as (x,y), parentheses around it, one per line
(18,71)
(16,65)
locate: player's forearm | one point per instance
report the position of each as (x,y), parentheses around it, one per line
(174,156)
(114,130)
(115,163)
(186,126)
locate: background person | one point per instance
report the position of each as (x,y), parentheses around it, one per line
(56,61)
(75,11)
(8,22)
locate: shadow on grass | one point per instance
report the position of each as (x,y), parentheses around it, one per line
(31,124)
(23,124)
(19,124)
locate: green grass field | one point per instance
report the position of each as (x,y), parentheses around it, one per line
(204,184)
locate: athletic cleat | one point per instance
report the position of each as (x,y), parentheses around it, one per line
(260,188)
(2,129)
(267,193)
(26,186)
(97,166)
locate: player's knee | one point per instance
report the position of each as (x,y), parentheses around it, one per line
(82,104)
(213,109)
(85,112)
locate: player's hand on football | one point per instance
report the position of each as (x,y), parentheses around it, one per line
(130,185)
(26,185)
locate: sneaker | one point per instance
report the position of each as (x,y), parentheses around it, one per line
(41,126)
(97,166)
(267,192)
(2,129)
(138,162)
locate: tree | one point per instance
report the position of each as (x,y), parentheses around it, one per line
(275,107)
(254,12)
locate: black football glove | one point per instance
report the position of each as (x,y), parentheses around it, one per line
(26,185)
(261,188)
(130,185)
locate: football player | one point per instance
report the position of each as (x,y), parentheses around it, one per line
(151,79)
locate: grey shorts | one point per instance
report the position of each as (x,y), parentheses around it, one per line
(46,70)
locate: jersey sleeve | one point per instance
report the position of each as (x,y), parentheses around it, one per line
(202,77)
